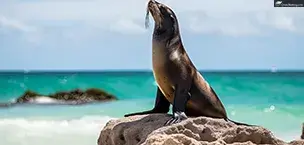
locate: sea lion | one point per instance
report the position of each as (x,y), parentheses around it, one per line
(179,82)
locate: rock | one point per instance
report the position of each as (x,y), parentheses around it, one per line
(26,97)
(6,105)
(150,130)
(297,142)
(67,97)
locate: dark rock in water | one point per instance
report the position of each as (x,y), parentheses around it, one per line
(5,105)
(27,96)
(76,96)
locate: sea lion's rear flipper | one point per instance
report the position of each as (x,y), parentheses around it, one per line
(239,123)
(162,105)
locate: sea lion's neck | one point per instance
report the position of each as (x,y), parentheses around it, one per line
(161,34)
(166,35)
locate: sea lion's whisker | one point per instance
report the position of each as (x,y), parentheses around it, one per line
(147,18)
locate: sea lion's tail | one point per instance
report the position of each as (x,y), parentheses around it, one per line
(239,123)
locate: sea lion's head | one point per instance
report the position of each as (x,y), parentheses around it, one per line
(164,18)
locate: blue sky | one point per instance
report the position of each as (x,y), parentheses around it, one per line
(110,34)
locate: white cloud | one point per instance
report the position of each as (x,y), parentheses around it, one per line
(227,25)
(238,17)
(14,24)
(127,26)
(235,18)
(29,33)
(287,20)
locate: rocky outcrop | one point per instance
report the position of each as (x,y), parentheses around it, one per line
(150,130)
(67,97)
(5,105)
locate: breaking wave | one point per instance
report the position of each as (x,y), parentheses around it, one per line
(81,131)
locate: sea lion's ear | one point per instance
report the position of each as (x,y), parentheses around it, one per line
(171,16)
(173,21)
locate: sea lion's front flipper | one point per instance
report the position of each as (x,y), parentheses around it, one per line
(181,97)
(162,105)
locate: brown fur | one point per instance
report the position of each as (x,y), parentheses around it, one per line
(175,73)
(167,71)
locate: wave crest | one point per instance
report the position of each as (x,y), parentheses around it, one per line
(21,131)
(43,100)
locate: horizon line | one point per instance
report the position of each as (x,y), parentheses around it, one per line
(143,70)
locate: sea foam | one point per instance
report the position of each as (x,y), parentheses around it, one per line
(21,131)
(43,100)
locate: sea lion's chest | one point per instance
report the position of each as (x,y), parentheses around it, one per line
(159,57)
(160,62)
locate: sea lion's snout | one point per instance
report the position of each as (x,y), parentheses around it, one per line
(153,8)
(163,16)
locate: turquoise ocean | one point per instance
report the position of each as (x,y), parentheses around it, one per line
(273,100)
